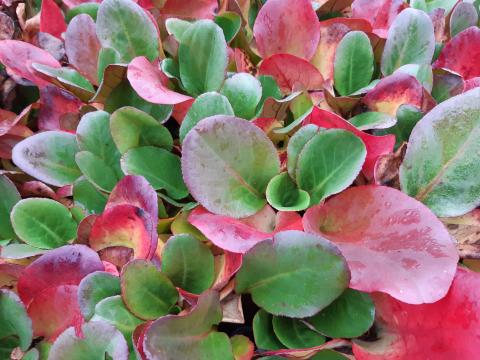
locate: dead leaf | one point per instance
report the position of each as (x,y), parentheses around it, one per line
(387,167)
(465,230)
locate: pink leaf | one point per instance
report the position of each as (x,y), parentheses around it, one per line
(462,54)
(472,83)
(446,330)
(192,9)
(292,73)
(51,19)
(392,243)
(55,103)
(151,83)
(376,145)
(287,27)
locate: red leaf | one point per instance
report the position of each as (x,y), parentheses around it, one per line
(127,226)
(393,91)
(66,265)
(392,243)
(230,265)
(376,145)
(472,83)
(17,56)
(8,119)
(55,103)
(380,13)
(151,83)
(292,73)
(287,27)
(51,19)
(446,330)
(462,54)
(192,9)
(180,110)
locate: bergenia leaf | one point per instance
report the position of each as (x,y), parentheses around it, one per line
(204,9)
(372,120)
(296,144)
(391,242)
(296,334)
(446,182)
(49,157)
(227,163)
(446,84)
(88,197)
(276,16)
(230,22)
(463,16)
(263,332)
(43,223)
(244,92)
(410,40)
(51,19)
(283,194)
(272,268)
(10,197)
(16,324)
(242,347)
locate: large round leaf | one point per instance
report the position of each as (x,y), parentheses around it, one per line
(188,263)
(202,57)
(43,223)
(9,198)
(49,157)
(440,167)
(227,163)
(147,292)
(125,27)
(329,163)
(410,40)
(297,274)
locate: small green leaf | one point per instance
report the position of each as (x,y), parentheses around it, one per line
(463,16)
(296,274)
(329,163)
(160,167)
(205,105)
(349,316)
(353,65)
(270,89)
(88,197)
(89,8)
(265,337)
(95,287)
(296,144)
(410,40)
(124,26)
(133,128)
(188,263)
(177,27)
(284,195)
(106,56)
(244,92)
(20,251)
(372,120)
(407,117)
(10,196)
(147,292)
(230,22)
(43,223)
(16,326)
(295,334)
(202,56)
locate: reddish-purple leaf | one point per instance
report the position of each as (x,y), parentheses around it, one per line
(191,9)
(462,54)
(9,275)
(151,83)
(446,330)
(230,264)
(472,83)
(51,19)
(392,243)
(18,56)
(287,27)
(82,46)
(376,145)
(393,91)
(55,105)
(292,73)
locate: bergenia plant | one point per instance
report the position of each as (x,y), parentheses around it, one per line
(239,179)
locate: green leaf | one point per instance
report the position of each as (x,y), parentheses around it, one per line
(133,128)
(43,223)
(96,170)
(99,341)
(125,95)
(349,316)
(410,40)
(441,166)
(147,292)
(190,336)
(244,92)
(329,355)
(177,27)
(31,354)
(188,263)
(296,144)
(89,8)
(242,347)
(284,195)
(372,120)
(202,56)
(295,334)
(10,196)
(205,105)
(230,22)
(463,16)
(16,329)
(49,157)
(20,251)
(160,167)
(353,64)
(227,163)
(113,311)
(407,117)
(95,287)
(87,196)
(296,274)
(270,89)
(106,57)
(329,163)
(124,26)
(265,337)
(423,73)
